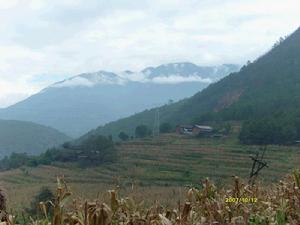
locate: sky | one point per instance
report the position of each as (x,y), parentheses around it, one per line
(44,41)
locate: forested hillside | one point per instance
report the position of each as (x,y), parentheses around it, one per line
(268,88)
(19,137)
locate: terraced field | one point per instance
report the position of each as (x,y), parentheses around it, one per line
(154,167)
(180,160)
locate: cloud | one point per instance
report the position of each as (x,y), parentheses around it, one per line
(12,92)
(174,79)
(4,4)
(93,79)
(76,81)
(55,39)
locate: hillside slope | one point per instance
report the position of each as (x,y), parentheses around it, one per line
(156,165)
(21,137)
(271,84)
(98,98)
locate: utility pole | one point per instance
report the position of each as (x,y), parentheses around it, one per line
(258,164)
(155,131)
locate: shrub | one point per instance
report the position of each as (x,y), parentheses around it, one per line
(142,131)
(165,127)
(268,131)
(44,195)
(123,136)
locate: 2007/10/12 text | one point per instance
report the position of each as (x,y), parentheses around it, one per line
(243,200)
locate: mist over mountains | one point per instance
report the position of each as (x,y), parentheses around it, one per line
(265,91)
(171,73)
(83,102)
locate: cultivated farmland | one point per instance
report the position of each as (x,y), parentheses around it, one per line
(162,168)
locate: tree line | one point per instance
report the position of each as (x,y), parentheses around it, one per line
(142,131)
(94,150)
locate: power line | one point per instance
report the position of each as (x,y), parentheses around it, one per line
(258,164)
(155,131)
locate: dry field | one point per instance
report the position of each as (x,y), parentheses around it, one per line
(239,204)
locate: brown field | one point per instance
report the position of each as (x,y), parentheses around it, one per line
(238,204)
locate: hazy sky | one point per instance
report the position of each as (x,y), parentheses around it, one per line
(43,41)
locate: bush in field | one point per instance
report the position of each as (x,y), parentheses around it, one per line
(98,149)
(142,131)
(165,128)
(123,136)
(225,128)
(2,200)
(94,150)
(44,195)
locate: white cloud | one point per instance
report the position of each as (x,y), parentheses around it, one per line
(5,4)
(174,79)
(58,38)
(77,81)
(90,80)
(12,92)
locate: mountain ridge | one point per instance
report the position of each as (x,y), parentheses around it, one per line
(27,137)
(268,85)
(81,103)
(185,69)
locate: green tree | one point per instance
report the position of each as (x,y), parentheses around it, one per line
(227,128)
(98,149)
(123,136)
(94,150)
(272,130)
(165,127)
(15,160)
(142,131)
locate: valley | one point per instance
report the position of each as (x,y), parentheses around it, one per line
(156,112)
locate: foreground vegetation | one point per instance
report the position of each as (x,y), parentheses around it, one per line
(254,205)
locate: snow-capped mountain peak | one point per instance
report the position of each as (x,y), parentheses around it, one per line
(91,79)
(98,98)
(164,74)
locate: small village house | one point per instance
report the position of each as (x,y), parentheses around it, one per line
(184,129)
(197,129)
(193,129)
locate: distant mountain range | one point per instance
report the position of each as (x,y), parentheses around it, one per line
(267,88)
(83,102)
(19,137)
